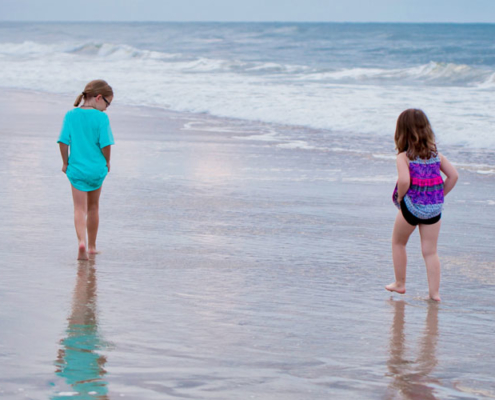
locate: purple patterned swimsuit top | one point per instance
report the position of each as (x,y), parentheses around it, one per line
(424,199)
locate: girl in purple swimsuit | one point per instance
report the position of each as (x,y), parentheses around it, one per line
(419,196)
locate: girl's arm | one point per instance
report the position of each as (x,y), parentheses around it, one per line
(106,153)
(404,180)
(451,175)
(64,152)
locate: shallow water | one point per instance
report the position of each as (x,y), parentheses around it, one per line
(231,268)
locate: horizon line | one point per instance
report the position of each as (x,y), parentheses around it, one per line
(252,22)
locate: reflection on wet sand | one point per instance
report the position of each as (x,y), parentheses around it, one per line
(78,361)
(410,378)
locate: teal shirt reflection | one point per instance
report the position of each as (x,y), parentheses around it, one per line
(78,361)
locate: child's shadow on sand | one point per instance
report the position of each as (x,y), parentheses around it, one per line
(410,377)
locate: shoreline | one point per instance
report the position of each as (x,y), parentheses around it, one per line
(187,133)
(480,161)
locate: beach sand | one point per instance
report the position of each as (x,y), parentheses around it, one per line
(235,264)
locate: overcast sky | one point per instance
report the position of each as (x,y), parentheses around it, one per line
(250,10)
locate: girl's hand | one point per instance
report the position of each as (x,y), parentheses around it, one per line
(64,168)
(108,166)
(451,174)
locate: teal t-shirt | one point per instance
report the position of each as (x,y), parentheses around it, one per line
(86,132)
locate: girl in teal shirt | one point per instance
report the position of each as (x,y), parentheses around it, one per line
(85,141)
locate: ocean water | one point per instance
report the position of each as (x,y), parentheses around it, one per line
(351,80)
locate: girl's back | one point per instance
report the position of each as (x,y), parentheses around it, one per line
(425,195)
(86,131)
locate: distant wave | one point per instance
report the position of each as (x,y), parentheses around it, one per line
(433,72)
(125,52)
(184,63)
(26,49)
(119,51)
(107,50)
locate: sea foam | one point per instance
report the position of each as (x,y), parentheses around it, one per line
(456,97)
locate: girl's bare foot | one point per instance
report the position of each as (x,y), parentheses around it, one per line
(435,297)
(93,251)
(395,287)
(82,255)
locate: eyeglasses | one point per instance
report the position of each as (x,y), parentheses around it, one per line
(106,101)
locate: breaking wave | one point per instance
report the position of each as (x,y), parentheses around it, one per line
(432,73)
(456,97)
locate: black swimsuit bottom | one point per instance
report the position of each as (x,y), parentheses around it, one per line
(413,220)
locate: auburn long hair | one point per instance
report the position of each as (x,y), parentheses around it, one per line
(414,135)
(93,89)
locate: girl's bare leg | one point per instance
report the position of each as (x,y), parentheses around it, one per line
(93,219)
(429,239)
(400,236)
(80,211)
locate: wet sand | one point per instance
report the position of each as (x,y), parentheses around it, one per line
(231,267)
